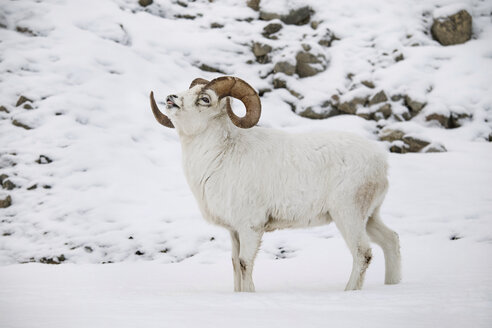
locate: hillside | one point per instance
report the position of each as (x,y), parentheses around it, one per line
(88,176)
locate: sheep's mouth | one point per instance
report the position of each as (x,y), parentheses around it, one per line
(170,103)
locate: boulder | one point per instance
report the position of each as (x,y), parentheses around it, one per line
(383,112)
(308,64)
(378,98)
(279,83)
(414,106)
(310,113)
(368,84)
(270,29)
(145,3)
(208,68)
(350,107)
(216,25)
(22,100)
(300,16)
(43,159)
(284,67)
(253,4)
(327,38)
(6,202)
(434,148)
(443,120)
(261,52)
(3,109)
(454,29)
(21,125)
(450,121)
(391,135)
(7,184)
(414,144)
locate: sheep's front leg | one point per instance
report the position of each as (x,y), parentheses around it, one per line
(249,243)
(235,261)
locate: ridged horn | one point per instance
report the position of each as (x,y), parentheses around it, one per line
(198,81)
(159,116)
(229,86)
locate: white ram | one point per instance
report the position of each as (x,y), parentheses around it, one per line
(251,180)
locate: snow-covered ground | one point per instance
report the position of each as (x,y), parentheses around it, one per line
(113,189)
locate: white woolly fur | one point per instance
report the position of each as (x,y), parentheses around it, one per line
(255,180)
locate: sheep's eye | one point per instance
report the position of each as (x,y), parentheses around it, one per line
(205,100)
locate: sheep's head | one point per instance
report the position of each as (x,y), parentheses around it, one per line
(193,109)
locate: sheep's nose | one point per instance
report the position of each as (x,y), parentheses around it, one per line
(170,101)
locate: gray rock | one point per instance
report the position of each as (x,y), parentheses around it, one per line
(295,93)
(454,29)
(22,100)
(3,177)
(6,202)
(43,159)
(414,106)
(350,107)
(414,144)
(378,98)
(456,119)
(3,109)
(314,25)
(33,187)
(7,184)
(451,121)
(384,111)
(268,16)
(326,113)
(400,57)
(260,49)
(368,84)
(145,3)
(396,97)
(253,4)
(299,16)
(443,120)
(397,149)
(391,135)
(216,25)
(207,68)
(434,148)
(21,125)
(284,67)
(306,47)
(279,83)
(271,28)
(327,39)
(308,64)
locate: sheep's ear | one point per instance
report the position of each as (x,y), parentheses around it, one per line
(198,81)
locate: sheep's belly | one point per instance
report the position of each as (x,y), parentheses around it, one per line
(275,223)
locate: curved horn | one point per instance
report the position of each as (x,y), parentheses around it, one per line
(198,81)
(235,87)
(159,116)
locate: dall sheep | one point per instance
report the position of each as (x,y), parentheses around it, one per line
(252,180)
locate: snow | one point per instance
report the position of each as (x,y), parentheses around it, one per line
(115,191)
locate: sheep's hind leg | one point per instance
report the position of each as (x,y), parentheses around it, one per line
(235,261)
(353,231)
(389,241)
(249,242)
